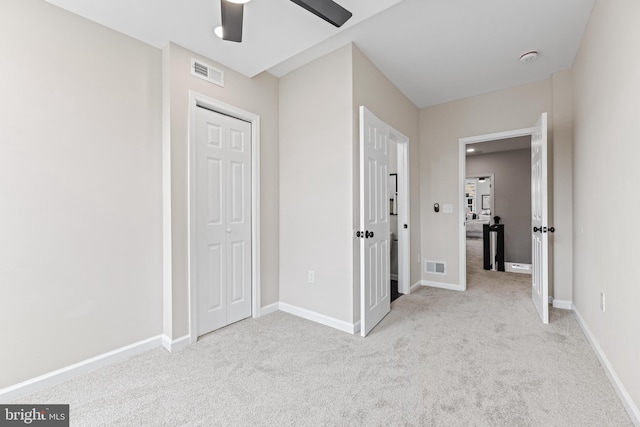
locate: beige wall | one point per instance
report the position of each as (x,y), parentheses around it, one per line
(319,154)
(315,192)
(372,89)
(441,127)
(606,125)
(514,108)
(80,190)
(258,95)
(560,187)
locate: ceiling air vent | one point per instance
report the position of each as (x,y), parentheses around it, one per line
(207,72)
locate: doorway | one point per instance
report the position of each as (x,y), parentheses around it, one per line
(377,140)
(224,215)
(477,146)
(538,227)
(398,217)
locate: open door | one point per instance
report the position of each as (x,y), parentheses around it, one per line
(539,220)
(375,298)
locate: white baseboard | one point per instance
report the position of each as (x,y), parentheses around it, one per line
(341,325)
(440,285)
(415,286)
(356,327)
(627,401)
(60,375)
(268,309)
(564,305)
(177,344)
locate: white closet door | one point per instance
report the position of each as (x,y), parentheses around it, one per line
(222,220)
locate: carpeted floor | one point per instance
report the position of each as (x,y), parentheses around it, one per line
(440,358)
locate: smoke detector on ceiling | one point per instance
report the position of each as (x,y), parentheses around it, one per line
(529,56)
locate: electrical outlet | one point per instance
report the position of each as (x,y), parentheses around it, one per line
(312,276)
(602,302)
(448,208)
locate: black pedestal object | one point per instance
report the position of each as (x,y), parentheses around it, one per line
(486,242)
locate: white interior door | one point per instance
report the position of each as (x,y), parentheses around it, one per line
(375,299)
(222,220)
(539,212)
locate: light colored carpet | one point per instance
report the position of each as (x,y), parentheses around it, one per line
(440,358)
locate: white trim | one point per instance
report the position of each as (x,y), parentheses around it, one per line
(167,267)
(175,345)
(563,305)
(627,401)
(404,212)
(448,286)
(341,325)
(271,308)
(462,215)
(495,136)
(195,100)
(416,285)
(356,327)
(60,375)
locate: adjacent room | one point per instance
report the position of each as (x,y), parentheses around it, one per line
(498,184)
(208,219)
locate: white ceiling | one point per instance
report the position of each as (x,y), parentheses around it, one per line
(434,51)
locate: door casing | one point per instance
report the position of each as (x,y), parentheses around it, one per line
(198,100)
(404,213)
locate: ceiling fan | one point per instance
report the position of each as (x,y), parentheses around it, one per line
(233,11)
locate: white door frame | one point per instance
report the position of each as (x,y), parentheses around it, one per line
(198,100)
(462,166)
(404,212)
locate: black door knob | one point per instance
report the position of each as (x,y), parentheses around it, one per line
(368,234)
(537,229)
(552,229)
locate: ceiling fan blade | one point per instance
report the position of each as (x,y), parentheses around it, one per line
(328,10)
(232,20)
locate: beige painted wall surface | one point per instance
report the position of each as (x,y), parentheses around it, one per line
(372,89)
(560,184)
(315,186)
(606,96)
(80,190)
(440,128)
(258,95)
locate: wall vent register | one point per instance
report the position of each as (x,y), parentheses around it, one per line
(207,72)
(435,267)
